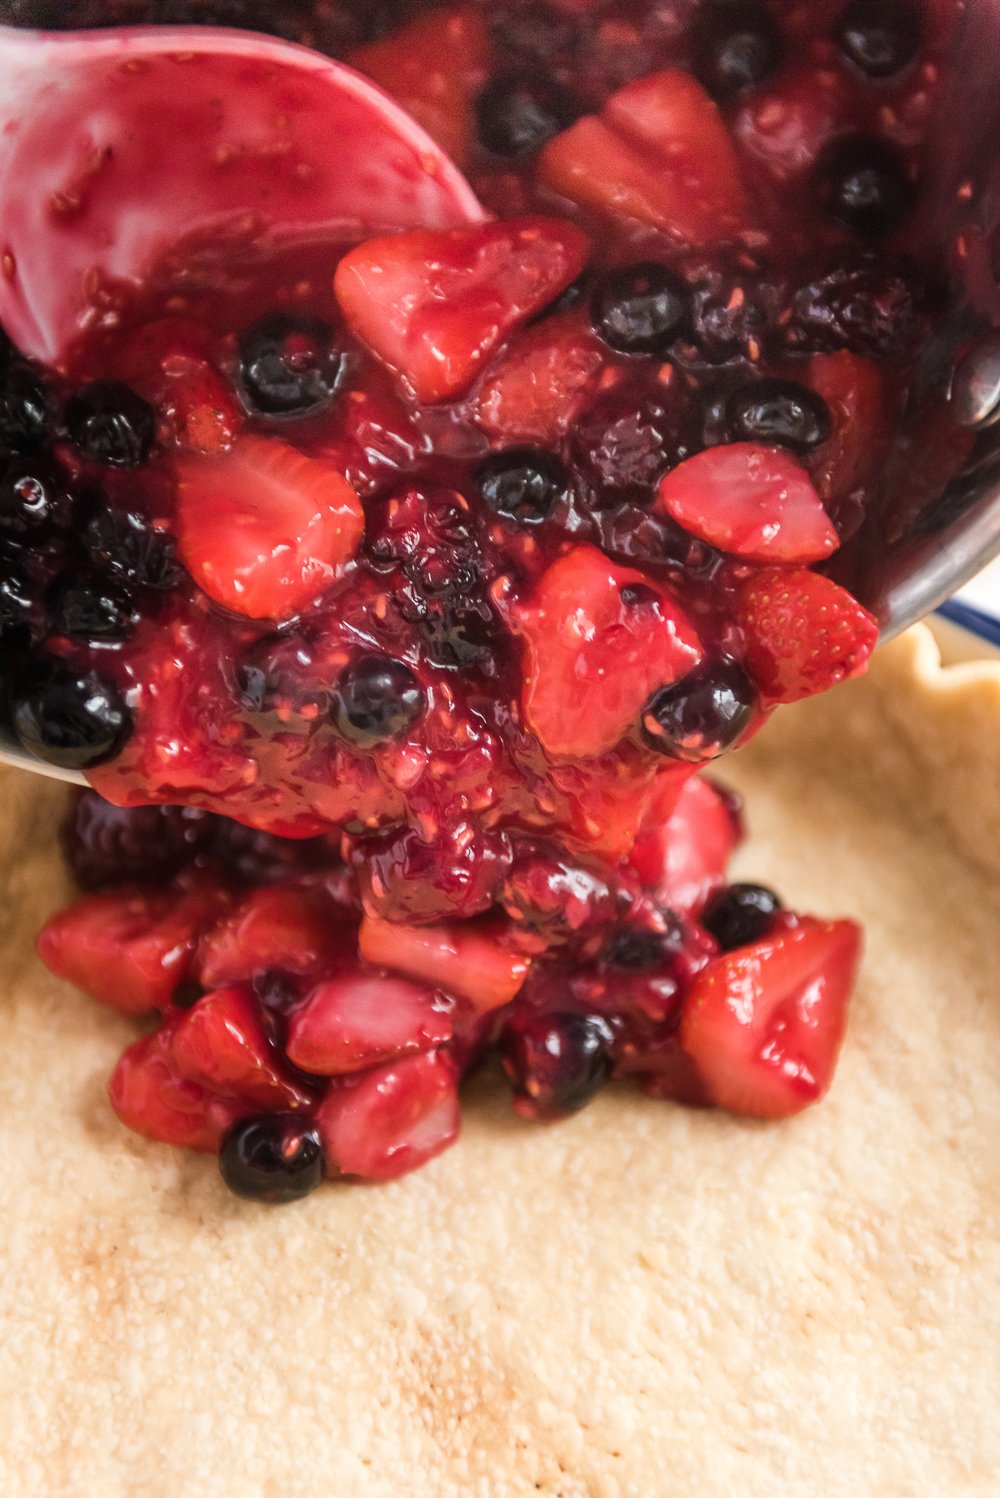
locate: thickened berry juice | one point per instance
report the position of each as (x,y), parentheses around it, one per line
(392,590)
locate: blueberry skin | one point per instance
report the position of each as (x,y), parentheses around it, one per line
(377,699)
(517,113)
(290,366)
(737,46)
(778,413)
(702,715)
(863,185)
(522,483)
(880,37)
(641,308)
(111,424)
(67,718)
(274,1159)
(740,914)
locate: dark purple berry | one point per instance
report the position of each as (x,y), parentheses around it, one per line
(35,503)
(702,715)
(778,413)
(124,543)
(92,606)
(631,435)
(276,1158)
(522,483)
(24,409)
(106,845)
(377,699)
(643,949)
(556,1063)
(740,914)
(518,112)
(254,857)
(69,718)
(641,308)
(863,184)
(110,424)
(865,306)
(290,366)
(737,45)
(403,877)
(17,601)
(879,36)
(732,315)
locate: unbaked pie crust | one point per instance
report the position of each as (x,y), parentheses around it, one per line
(643,1302)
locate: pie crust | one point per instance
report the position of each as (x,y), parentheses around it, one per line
(642,1302)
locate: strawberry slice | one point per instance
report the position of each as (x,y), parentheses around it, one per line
(222,1044)
(434,305)
(683,857)
(764,1024)
(546,374)
(459,960)
(659,153)
(434,67)
(361,1019)
(803,633)
(130,952)
(198,410)
(263,529)
(754,502)
(862,421)
(600,640)
(148,1096)
(277,928)
(392,1119)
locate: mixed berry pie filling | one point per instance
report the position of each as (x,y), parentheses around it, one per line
(391,592)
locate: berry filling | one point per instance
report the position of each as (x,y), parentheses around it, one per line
(391,588)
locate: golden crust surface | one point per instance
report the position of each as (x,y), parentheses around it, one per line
(644,1302)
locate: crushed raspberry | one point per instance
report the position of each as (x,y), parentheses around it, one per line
(392,588)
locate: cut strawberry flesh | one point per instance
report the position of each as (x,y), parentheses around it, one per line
(364,1018)
(459,960)
(683,855)
(392,1119)
(284,927)
(222,1044)
(149,1097)
(764,1024)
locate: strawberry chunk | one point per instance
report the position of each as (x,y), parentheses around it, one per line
(659,153)
(754,502)
(856,392)
(434,67)
(130,952)
(148,1096)
(803,633)
(683,857)
(764,1024)
(459,960)
(361,1019)
(263,529)
(277,928)
(222,1044)
(392,1119)
(546,374)
(434,305)
(599,640)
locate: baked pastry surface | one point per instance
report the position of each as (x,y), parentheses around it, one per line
(642,1302)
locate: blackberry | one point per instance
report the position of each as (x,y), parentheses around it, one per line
(702,715)
(778,413)
(880,37)
(737,45)
(276,1158)
(35,502)
(69,718)
(866,306)
(106,845)
(124,543)
(24,409)
(556,1063)
(377,699)
(517,113)
(17,604)
(863,184)
(110,424)
(290,366)
(740,914)
(522,483)
(640,309)
(91,606)
(631,435)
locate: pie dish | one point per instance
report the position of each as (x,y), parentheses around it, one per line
(642,1300)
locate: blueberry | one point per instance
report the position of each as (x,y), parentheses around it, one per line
(522,483)
(778,412)
(91,606)
(518,112)
(737,45)
(863,184)
(641,949)
(17,599)
(641,308)
(69,718)
(124,542)
(733,314)
(866,306)
(24,408)
(702,715)
(879,36)
(377,699)
(109,423)
(290,366)
(276,1158)
(556,1063)
(35,503)
(740,914)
